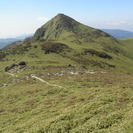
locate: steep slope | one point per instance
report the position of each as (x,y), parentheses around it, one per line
(65,29)
(60,24)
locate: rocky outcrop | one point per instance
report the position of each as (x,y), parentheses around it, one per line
(22,63)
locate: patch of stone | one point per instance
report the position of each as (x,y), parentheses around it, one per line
(46,75)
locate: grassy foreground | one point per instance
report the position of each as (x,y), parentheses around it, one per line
(101,102)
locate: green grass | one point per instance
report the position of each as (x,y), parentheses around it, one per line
(100,102)
(128,45)
(36,57)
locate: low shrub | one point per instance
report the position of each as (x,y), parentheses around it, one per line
(97,53)
(50,47)
(2,55)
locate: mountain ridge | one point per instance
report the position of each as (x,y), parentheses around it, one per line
(4,42)
(119,34)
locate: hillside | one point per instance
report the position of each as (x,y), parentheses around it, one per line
(67,78)
(63,41)
(128,45)
(119,34)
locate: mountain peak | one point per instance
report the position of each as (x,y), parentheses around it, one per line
(62,16)
(52,29)
(60,25)
(64,21)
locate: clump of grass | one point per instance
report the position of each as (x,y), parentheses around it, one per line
(2,55)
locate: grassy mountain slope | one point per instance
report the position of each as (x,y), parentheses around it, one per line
(61,24)
(128,45)
(83,81)
(78,44)
(65,29)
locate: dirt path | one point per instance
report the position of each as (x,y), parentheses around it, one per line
(35,77)
(57,74)
(11,74)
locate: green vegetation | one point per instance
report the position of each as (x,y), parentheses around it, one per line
(50,47)
(2,55)
(128,45)
(76,80)
(100,102)
(97,53)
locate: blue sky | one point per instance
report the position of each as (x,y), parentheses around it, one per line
(25,16)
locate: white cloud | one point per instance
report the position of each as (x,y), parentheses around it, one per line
(42,19)
(122,22)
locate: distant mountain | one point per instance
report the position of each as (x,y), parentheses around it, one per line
(7,41)
(23,36)
(13,44)
(119,34)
